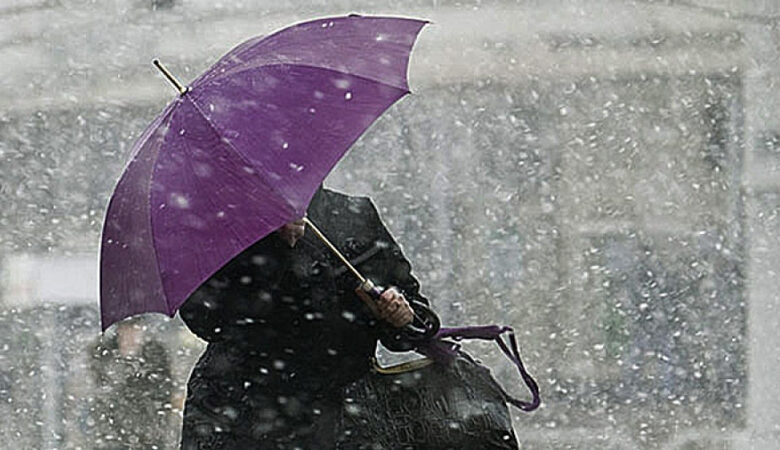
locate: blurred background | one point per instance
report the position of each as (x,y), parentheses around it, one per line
(601,174)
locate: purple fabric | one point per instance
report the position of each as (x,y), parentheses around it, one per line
(442,350)
(242,152)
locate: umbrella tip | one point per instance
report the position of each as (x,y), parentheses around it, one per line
(175,82)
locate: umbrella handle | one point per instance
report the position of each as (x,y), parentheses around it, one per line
(425,322)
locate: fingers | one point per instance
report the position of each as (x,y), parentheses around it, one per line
(390,293)
(393,308)
(401,316)
(389,302)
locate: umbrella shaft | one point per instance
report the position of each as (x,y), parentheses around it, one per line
(336,251)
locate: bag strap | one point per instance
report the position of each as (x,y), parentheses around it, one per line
(440,349)
(514,356)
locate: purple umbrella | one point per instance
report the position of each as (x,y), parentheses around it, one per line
(241,152)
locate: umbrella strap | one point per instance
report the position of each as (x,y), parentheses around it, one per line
(440,349)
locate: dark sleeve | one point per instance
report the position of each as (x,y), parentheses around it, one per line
(397,271)
(232,301)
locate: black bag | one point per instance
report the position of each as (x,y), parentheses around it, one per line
(451,403)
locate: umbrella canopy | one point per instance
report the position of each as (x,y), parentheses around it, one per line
(241,152)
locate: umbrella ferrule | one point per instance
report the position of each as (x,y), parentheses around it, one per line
(174,81)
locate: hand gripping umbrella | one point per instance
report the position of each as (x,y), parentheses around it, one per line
(241,151)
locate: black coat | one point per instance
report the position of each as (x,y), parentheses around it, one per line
(286,331)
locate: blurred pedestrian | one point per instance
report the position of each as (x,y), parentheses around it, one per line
(132,376)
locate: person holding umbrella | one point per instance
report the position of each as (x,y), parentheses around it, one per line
(287,331)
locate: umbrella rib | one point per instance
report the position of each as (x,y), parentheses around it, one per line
(214,128)
(166,121)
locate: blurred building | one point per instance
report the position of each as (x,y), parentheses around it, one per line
(601,174)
